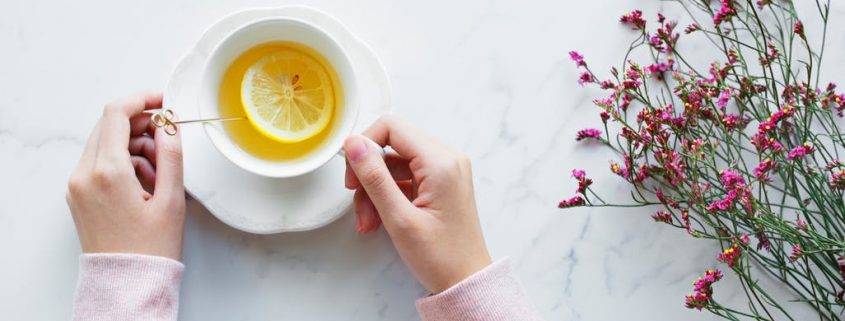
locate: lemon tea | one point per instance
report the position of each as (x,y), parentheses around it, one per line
(290,95)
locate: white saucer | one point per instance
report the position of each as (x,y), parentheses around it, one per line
(258,204)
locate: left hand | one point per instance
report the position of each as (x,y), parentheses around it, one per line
(111,208)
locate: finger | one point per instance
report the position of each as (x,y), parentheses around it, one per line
(145,171)
(397,165)
(367,217)
(403,137)
(141,124)
(367,164)
(169,188)
(116,127)
(143,146)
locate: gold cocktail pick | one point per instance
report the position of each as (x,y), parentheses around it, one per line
(165,121)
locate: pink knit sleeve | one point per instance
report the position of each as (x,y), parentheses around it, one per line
(492,294)
(127,287)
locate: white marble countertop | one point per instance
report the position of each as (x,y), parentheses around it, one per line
(490,77)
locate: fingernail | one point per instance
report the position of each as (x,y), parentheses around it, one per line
(356,148)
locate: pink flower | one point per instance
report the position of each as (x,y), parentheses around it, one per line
(799,29)
(657,70)
(840,263)
(571,202)
(796,253)
(834,163)
(762,241)
(738,192)
(703,290)
(762,169)
(693,27)
(668,201)
(588,133)
(775,118)
(724,98)
(763,3)
(579,174)
(800,151)
(771,55)
(634,19)
(731,255)
(673,164)
(725,12)
(801,225)
(837,180)
(734,121)
(577,58)
(685,219)
(585,77)
(583,181)
(731,179)
(764,143)
(662,216)
(621,171)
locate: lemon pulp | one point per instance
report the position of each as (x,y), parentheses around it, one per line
(288,96)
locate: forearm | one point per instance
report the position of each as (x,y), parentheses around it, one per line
(492,294)
(127,287)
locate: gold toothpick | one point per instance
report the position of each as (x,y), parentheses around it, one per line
(165,121)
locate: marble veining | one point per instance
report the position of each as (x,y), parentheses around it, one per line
(490,77)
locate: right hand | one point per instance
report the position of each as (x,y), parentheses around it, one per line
(423,194)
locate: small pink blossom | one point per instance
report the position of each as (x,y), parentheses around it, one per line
(634,19)
(764,143)
(800,151)
(588,133)
(796,253)
(703,290)
(578,174)
(693,27)
(724,98)
(662,216)
(801,224)
(583,181)
(577,58)
(775,118)
(730,256)
(837,180)
(761,172)
(799,29)
(585,78)
(725,13)
(572,202)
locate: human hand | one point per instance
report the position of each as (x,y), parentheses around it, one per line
(423,194)
(111,208)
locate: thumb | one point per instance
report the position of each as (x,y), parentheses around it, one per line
(366,162)
(169,188)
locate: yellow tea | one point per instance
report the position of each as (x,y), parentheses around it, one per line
(291,95)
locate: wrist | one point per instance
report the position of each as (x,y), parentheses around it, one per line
(465,271)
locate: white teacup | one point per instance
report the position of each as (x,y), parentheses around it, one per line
(270,30)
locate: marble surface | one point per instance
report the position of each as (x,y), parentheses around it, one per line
(490,77)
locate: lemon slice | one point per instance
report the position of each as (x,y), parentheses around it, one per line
(288,96)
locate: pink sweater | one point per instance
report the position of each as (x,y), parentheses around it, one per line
(141,287)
